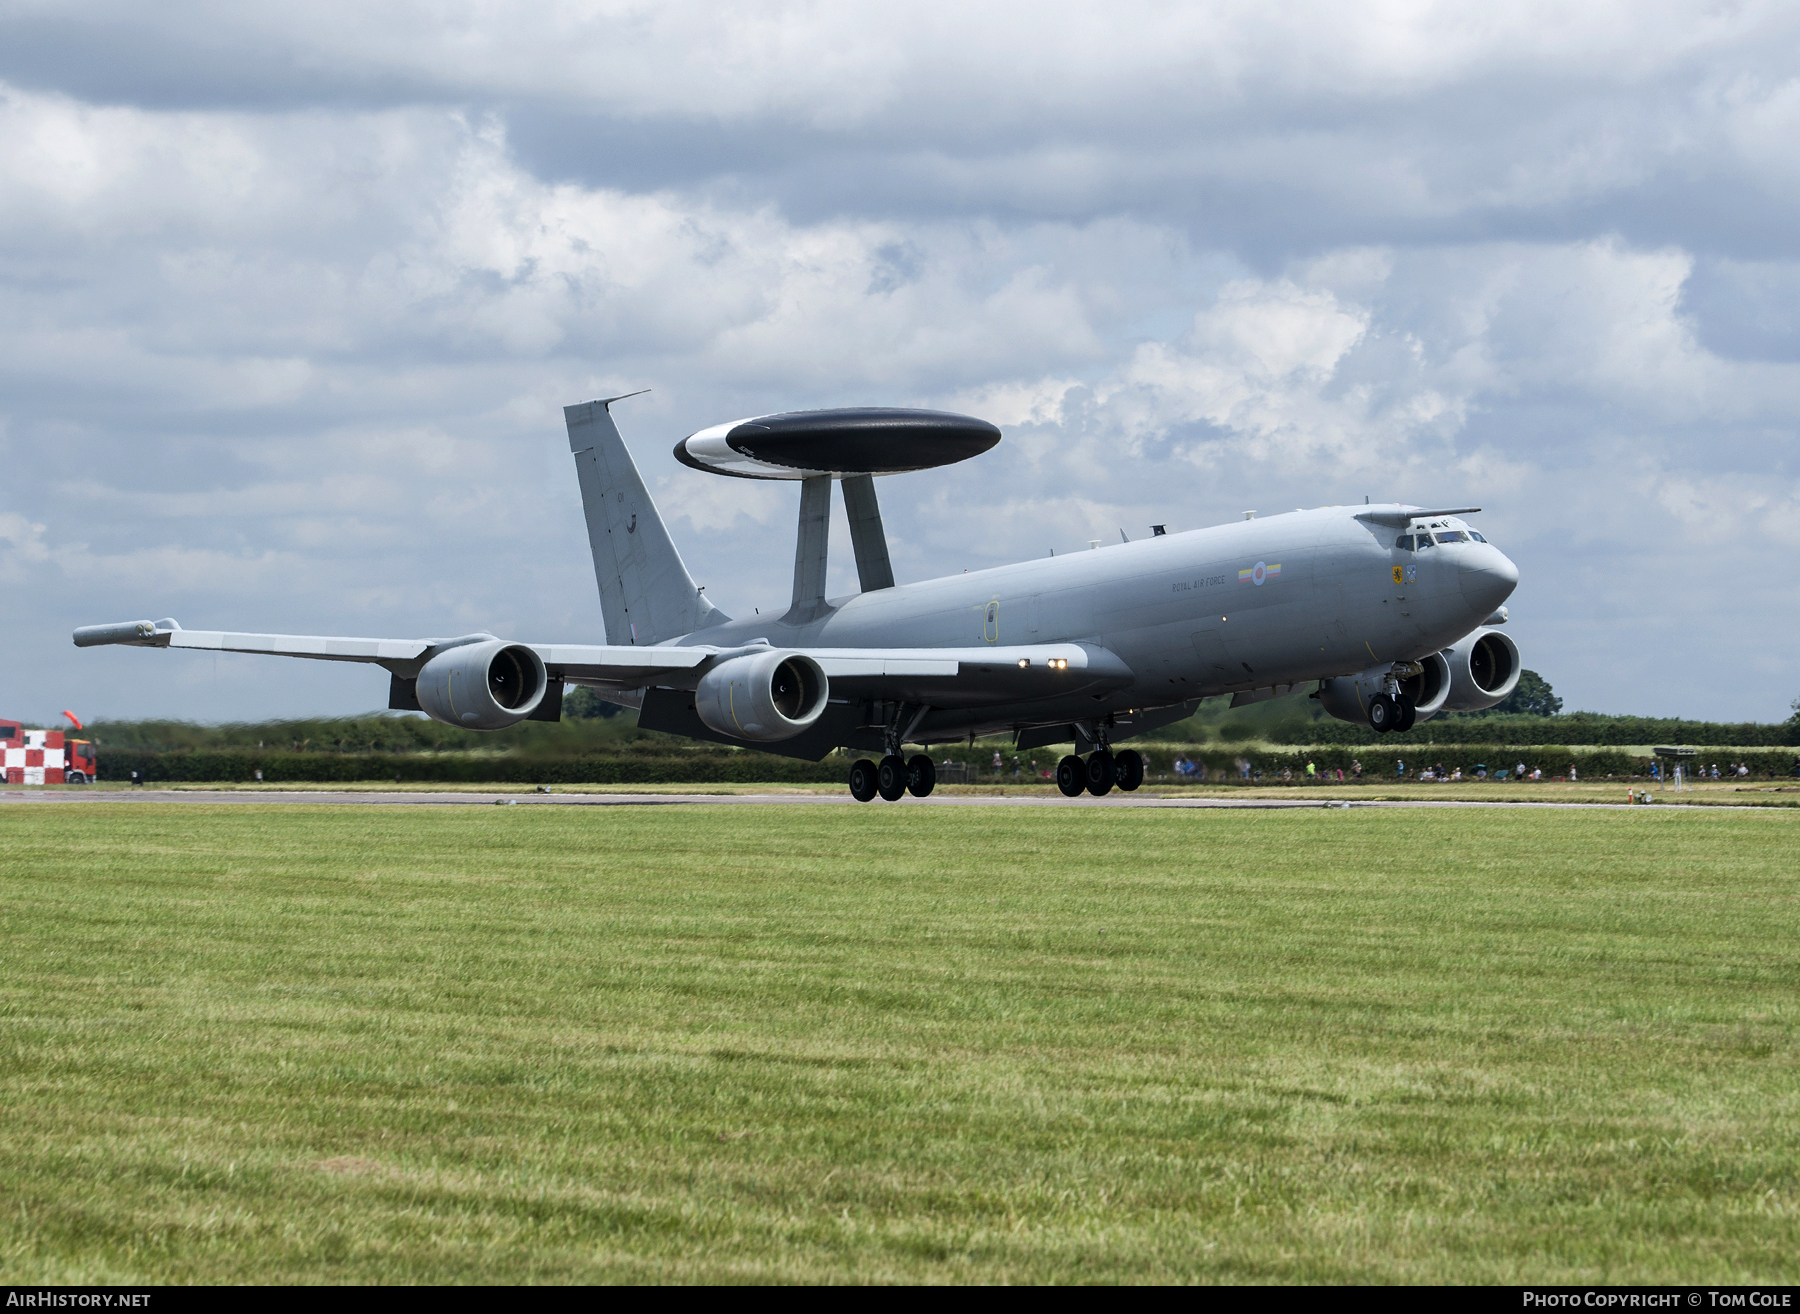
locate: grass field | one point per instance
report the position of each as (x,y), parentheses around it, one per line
(544,1044)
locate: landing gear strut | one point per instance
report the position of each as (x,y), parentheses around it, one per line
(894,775)
(1103,769)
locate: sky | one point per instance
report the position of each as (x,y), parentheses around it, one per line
(291,298)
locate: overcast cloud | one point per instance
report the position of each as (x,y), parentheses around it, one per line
(293,297)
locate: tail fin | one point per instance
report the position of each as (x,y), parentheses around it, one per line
(646,594)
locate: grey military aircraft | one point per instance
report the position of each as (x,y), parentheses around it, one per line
(1391,609)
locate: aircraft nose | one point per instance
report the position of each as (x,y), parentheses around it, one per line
(1488,578)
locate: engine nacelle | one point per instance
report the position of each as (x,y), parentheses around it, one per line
(483,686)
(1484,669)
(762,696)
(1347,697)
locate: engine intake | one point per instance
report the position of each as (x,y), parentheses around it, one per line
(1484,669)
(483,686)
(762,696)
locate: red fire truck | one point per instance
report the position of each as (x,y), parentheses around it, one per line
(45,757)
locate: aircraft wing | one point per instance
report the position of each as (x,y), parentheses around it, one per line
(144,634)
(624,665)
(944,677)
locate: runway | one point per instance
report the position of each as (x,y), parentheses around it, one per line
(375,798)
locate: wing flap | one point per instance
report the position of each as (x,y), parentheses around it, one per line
(844,668)
(971,677)
(616,663)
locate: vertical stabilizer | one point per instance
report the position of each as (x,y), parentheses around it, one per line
(646,593)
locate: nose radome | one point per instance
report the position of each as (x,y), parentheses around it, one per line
(1488,578)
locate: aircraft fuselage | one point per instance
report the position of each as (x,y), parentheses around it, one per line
(1272,601)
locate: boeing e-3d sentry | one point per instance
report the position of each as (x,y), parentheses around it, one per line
(1390,608)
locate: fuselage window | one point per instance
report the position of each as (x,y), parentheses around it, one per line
(1404,543)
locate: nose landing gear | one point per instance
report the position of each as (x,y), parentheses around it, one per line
(1394,712)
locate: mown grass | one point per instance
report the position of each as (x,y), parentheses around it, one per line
(564,1044)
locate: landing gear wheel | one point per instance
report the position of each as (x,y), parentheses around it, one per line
(890,777)
(1129,766)
(1071,775)
(862,780)
(1383,713)
(1409,712)
(1102,771)
(921,776)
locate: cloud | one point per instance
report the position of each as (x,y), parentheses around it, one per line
(291,303)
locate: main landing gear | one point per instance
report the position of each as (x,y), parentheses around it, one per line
(892,778)
(1100,772)
(1394,712)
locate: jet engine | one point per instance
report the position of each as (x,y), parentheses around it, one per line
(1347,697)
(483,686)
(762,696)
(1484,668)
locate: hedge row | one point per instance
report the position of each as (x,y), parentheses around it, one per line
(1575,728)
(469,768)
(1381,762)
(748,767)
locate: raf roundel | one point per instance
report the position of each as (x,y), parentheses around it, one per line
(865,440)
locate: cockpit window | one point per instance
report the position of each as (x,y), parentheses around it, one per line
(1476,535)
(1453,536)
(1424,541)
(1404,543)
